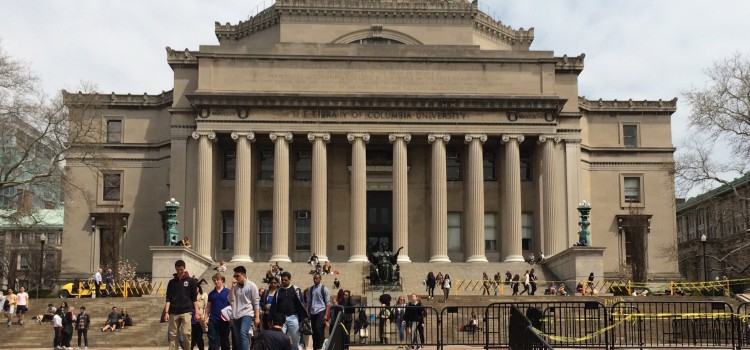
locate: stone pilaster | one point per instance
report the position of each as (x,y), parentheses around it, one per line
(318,243)
(242,197)
(511,232)
(550,230)
(400,195)
(280,246)
(474,192)
(573,189)
(438,199)
(358,223)
(204,207)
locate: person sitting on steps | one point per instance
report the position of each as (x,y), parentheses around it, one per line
(473,324)
(111,323)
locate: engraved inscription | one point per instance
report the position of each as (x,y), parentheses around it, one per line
(345,114)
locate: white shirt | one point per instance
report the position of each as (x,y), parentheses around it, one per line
(23,298)
(56,321)
(98,277)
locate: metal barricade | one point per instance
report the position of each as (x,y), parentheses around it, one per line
(380,329)
(522,333)
(457,327)
(743,326)
(653,324)
(337,333)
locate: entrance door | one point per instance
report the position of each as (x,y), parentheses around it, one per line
(379,220)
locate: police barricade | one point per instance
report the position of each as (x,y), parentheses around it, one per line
(522,333)
(743,326)
(375,325)
(462,325)
(654,324)
(575,324)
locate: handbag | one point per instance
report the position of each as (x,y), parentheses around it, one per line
(305,328)
(364,333)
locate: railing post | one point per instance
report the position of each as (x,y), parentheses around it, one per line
(125,289)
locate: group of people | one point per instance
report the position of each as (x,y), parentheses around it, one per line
(15,304)
(323,269)
(538,259)
(432,281)
(108,279)
(64,323)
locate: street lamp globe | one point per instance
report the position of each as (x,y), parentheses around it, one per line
(703,238)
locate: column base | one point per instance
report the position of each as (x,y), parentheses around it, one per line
(358,258)
(477,259)
(440,259)
(280,258)
(323,258)
(242,259)
(403,259)
(514,258)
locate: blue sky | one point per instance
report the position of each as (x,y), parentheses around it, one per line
(634,49)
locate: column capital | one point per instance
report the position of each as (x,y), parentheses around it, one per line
(432,137)
(281,135)
(544,138)
(507,137)
(323,135)
(355,135)
(471,137)
(392,137)
(210,134)
(249,134)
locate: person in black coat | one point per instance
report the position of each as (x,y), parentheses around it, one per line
(414,317)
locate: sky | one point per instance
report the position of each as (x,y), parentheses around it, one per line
(639,49)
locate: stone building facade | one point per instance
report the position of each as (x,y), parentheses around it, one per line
(332,127)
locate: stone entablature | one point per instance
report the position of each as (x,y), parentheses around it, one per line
(164,99)
(627,106)
(566,63)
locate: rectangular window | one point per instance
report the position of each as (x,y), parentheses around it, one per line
(26,238)
(454,232)
(265,230)
(303,166)
(453,166)
(23,261)
(114,131)
(302,230)
(632,189)
(111,187)
(527,230)
(265,167)
(227,230)
(230,164)
(630,135)
(489,166)
(51,238)
(526,166)
(50,260)
(490,232)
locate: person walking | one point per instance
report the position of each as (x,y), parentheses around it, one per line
(446,287)
(218,328)
(532,281)
(526,284)
(82,326)
(318,305)
(195,325)
(399,311)
(23,305)
(109,283)
(182,297)
(245,307)
(97,283)
(514,284)
(431,282)
(344,300)
(68,320)
(274,338)
(414,316)
(266,300)
(485,283)
(12,301)
(288,302)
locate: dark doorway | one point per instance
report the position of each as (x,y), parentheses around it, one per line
(109,248)
(379,218)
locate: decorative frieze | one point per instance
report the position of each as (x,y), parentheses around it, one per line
(626,106)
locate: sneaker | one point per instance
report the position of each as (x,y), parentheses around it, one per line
(102,329)
(20,322)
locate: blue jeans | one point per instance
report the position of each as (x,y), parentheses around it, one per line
(218,334)
(291,328)
(240,329)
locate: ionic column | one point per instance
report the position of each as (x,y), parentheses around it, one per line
(280,246)
(511,248)
(439,199)
(400,195)
(474,192)
(358,223)
(318,242)
(242,197)
(204,206)
(549,199)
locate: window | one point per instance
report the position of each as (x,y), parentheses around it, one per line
(265,230)
(227,230)
(454,232)
(302,230)
(489,166)
(630,135)
(230,165)
(303,166)
(527,231)
(23,261)
(111,187)
(50,259)
(114,131)
(490,232)
(632,189)
(525,166)
(6,197)
(266,165)
(453,166)
(26,238)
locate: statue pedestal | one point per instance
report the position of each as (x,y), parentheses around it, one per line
(162,263)
(574,265)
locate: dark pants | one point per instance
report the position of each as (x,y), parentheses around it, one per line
(197,338)
(319,329)
(97,292)
(533,288)
(85,333)
(65,338)
(218,335)
(381,330)
(56,341)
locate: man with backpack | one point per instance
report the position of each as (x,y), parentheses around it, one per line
(318,302)
(288,302)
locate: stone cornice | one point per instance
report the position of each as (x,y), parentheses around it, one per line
(518,39)
(574,64)
(628,149)
(647,106)
(120,100)
(182,59)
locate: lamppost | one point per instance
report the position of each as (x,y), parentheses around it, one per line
(172,205)
(42,240)
(705,266)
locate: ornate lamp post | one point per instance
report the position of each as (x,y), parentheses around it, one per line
(172,205)
(705,265)
(584,236)
(42,240)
